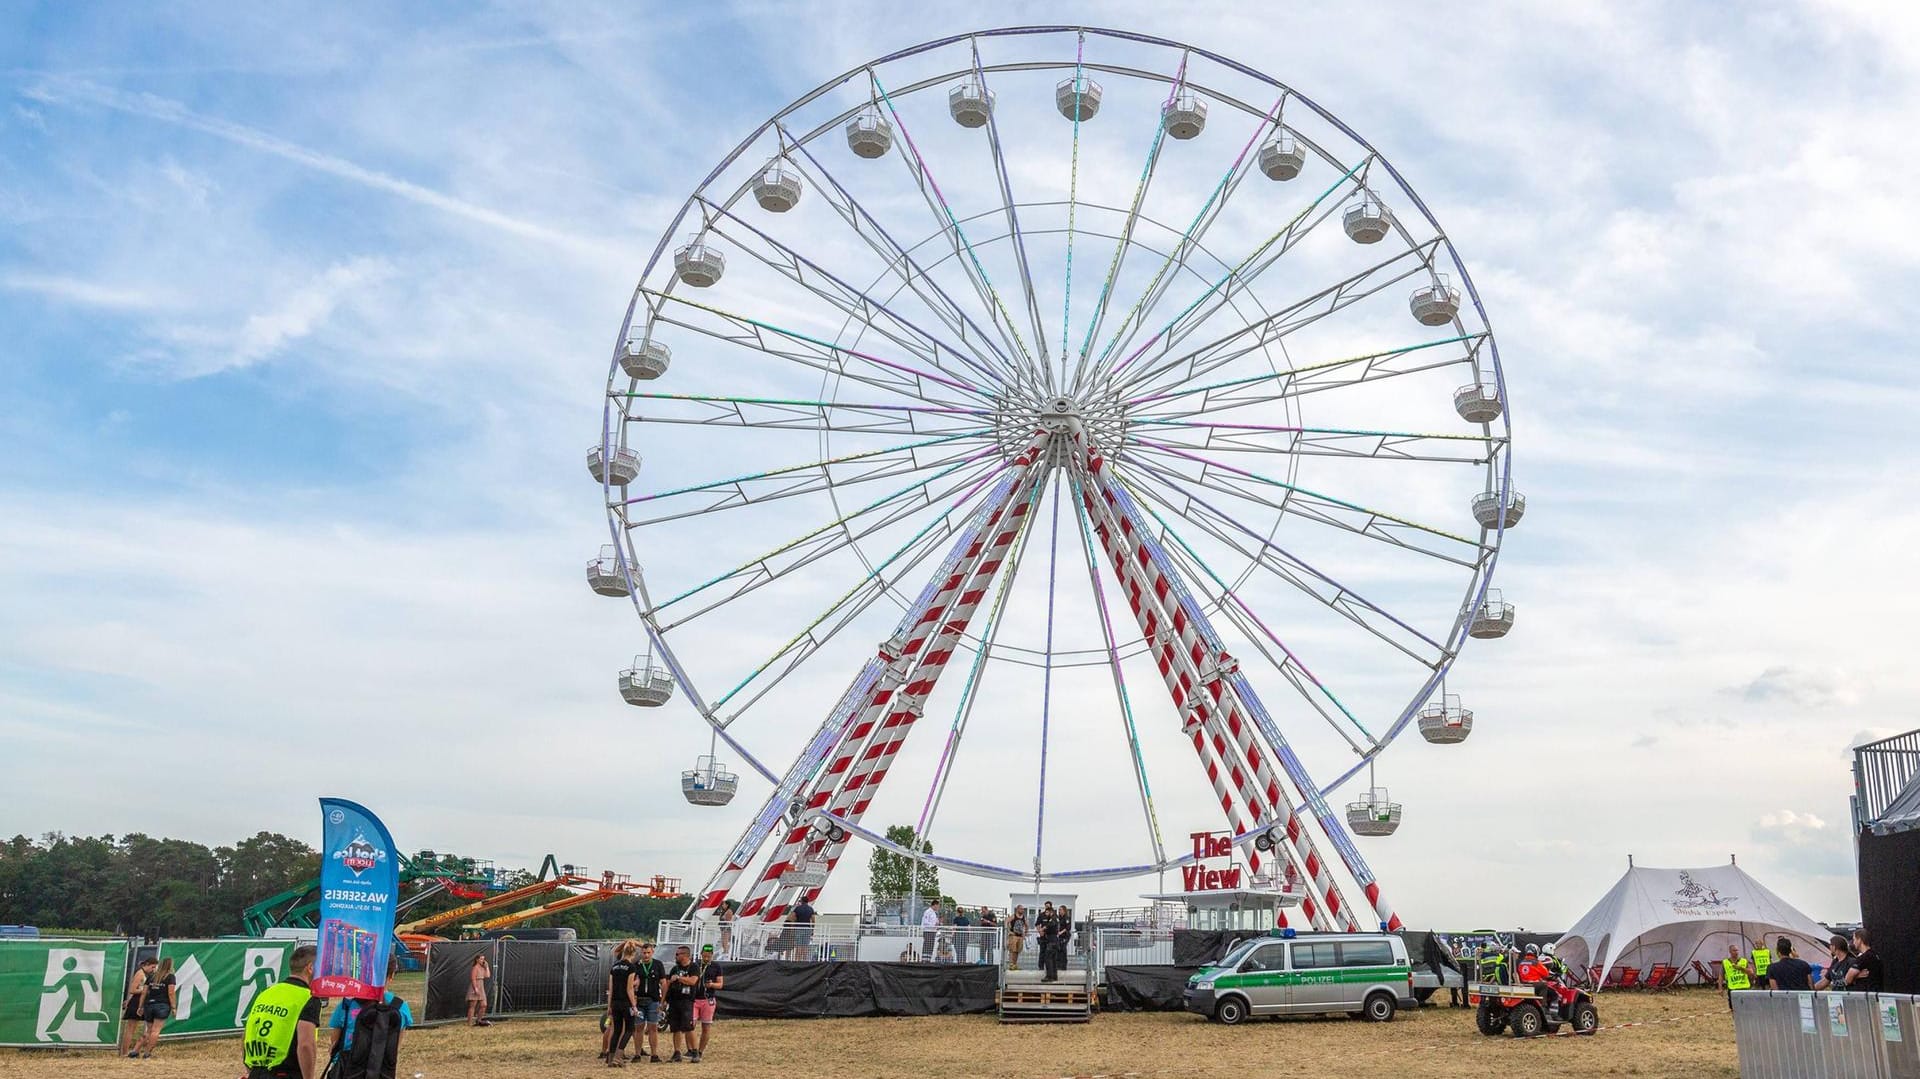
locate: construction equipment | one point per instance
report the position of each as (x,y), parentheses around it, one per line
(298,906)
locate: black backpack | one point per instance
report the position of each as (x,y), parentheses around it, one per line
(375,1052)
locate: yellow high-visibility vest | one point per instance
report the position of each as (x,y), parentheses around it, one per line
(271,1022)
(1762,959)
(1735,973)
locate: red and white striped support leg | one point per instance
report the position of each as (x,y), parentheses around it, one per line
(1131,548)
(844,771)
(853,799)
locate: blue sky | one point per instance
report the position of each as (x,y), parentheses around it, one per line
(307,321)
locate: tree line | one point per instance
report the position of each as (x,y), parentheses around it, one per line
(137,885)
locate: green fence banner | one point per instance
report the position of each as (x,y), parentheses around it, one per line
(215,981)
(61,992)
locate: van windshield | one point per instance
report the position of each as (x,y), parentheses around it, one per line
(1240,951)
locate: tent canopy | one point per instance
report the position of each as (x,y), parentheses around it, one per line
(1902,814)
(1675,916)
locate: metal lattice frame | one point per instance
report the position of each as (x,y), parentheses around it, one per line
(944,417)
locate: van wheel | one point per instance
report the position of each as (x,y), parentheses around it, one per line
(1232,1011)
(1586,1018)
(1489,1020)
(1380,1008)
(1527,1020)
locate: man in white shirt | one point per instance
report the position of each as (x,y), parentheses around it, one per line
(929,925)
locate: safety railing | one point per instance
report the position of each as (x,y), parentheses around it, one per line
(1790,1035)
(1142,946)
(830,942)
(1881,770)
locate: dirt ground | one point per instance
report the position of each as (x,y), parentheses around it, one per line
(1694,1037)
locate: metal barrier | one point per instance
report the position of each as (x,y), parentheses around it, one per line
(1146,946)
(1792,1035)
(829,942)
(529,977)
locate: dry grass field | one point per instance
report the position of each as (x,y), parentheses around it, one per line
(1437,1042)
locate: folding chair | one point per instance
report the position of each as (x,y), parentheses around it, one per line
(1629,977)
(1661,976)
(1707,977)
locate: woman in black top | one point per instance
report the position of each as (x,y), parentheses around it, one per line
(620,978)
(157,1001)
(130,1011)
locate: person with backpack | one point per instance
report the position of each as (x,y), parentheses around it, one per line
(348,1018)
(277,1041)
(158,997)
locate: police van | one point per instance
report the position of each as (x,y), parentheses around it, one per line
(1363,974)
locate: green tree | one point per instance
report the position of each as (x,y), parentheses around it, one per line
(890,875)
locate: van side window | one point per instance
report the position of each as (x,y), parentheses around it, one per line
(1265,957)
(1365,953)
(1315,956)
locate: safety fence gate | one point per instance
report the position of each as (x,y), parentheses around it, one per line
(1792,1035)
(525,977)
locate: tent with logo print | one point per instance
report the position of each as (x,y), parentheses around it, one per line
(1676,916)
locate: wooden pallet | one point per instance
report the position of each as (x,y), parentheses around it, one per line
(1034,1004)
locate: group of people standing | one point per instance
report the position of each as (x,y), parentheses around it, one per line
(1851,965)
(1053,930)
(152,994)
(643,992)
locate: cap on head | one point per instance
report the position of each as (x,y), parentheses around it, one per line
(706,949)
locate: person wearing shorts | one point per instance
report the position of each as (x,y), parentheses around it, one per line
(706,998)
(130,1012)
(650,989)
(682,982)
(158,998)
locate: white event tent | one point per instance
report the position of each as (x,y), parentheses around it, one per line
(1675,916)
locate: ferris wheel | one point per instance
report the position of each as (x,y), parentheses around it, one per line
(1072,359)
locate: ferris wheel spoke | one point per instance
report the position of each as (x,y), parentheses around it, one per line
(845,298)
(1256,336)
(1243,274)
(1189,240)
(827,539)
(1252,390)
(1016,236)
(734,492)
(823,355)
(1225,598)
(1113,667)
(789,414)
(970,264)
(1290,568)
(900,263)
(1374,522)
(850,604)
(1353,443)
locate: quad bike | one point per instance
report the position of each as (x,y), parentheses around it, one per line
(1531,1009)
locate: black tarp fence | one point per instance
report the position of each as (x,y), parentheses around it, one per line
(1148,988)
(530,977)
(1889,880)
(777,989)
(1198,947)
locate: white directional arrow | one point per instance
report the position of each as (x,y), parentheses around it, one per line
(191,980)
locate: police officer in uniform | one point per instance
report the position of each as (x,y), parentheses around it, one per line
(281,1025)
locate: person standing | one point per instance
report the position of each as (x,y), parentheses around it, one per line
(1048,924)
(802,919)
(1789,971)
(1839,964)
(158,997)
(650,987)
(1733,973)
(347,1013)
(681,982)
(706,999)
(1869,973)
(477,974)
(962,922)
(726,928)
(990,922)
(620,984)
(281,1023)
(1016,935)
(130,1008)
(1762,962)
(929,925)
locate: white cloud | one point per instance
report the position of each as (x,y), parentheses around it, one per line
(83,293)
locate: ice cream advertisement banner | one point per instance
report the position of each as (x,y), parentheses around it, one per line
(359,882)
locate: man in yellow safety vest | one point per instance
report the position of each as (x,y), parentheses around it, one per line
(1733,972)
(1762,960)
(282,1023)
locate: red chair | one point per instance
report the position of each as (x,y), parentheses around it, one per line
(1707,977)
(1593,976)
(1629,977)
(1661,976)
